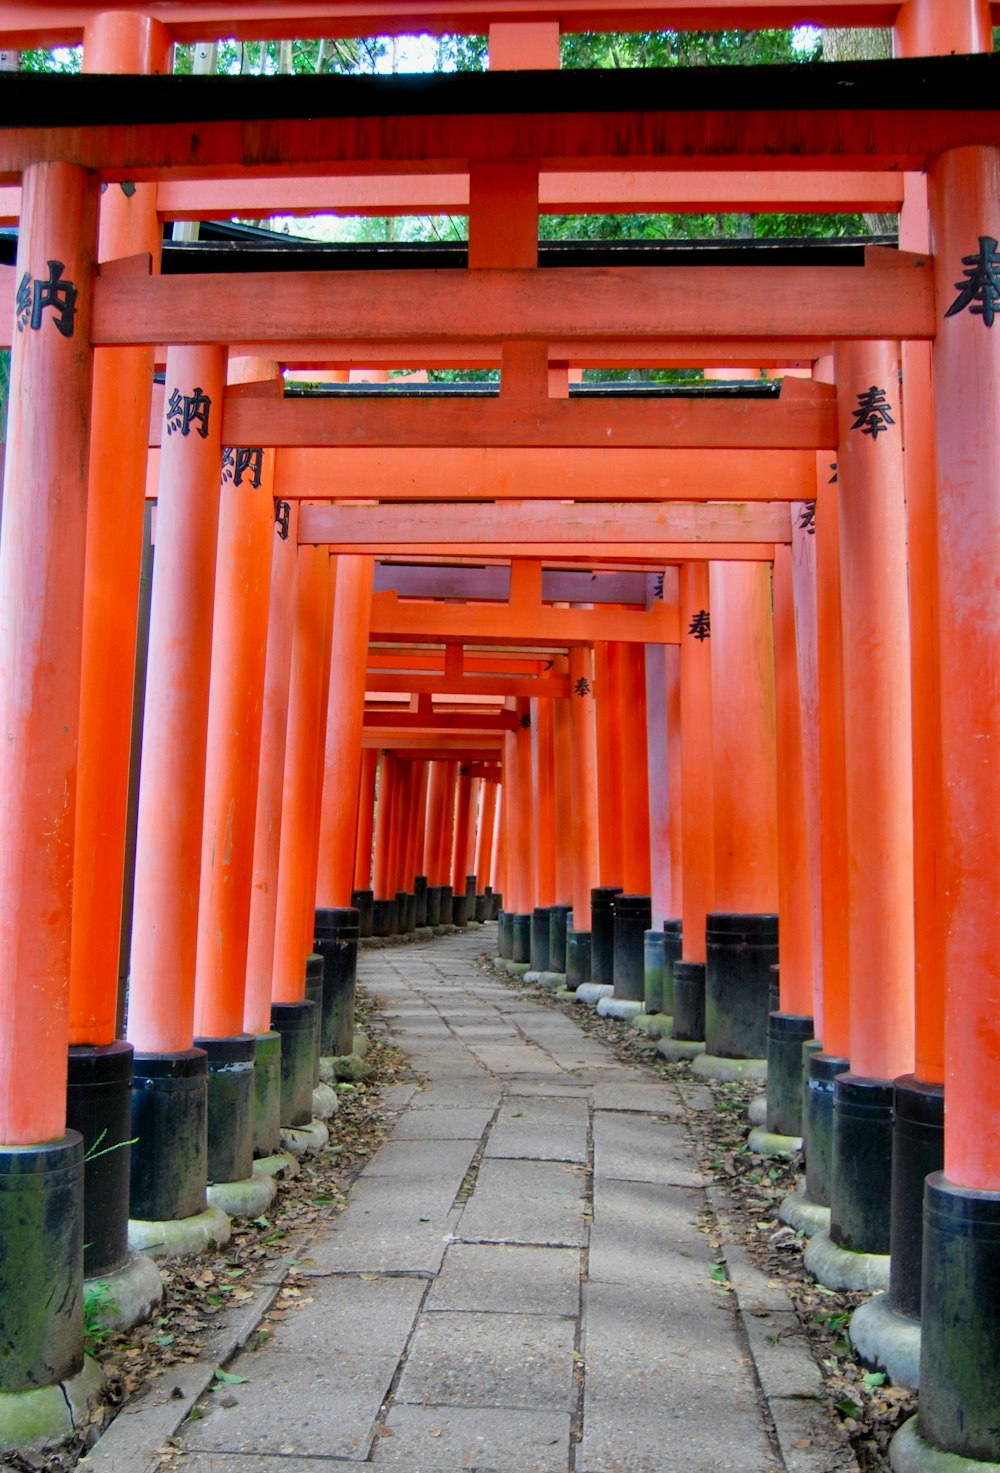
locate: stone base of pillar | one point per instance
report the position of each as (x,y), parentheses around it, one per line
(740,952)
(126,1297)
(481,910)
(177,1237)
(689,1002)
(798,1211)
(521,938)
(363,902)
(496,905)
(886,1340)
(862,1164)
(446,917)
(247,1198)
(304,1140)
(559,916)
(842,1268)
(633,916)
(337,932)
(786,1033)
(765,1142)
(314,993)
(42,1420)
(672,944)
(653,944)
(577,958)
(591,993)
(419,901)
(266,1093)
(539,939)
(910,1452)
(297,1023)
(817,1124)
(99,1106)
(170,1126)
(602,934)
(230,1106)
(680,1050)
(718,1066)
(917,1151)
(325,1103)
(622,1008)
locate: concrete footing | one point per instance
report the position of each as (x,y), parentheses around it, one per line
(304,1140)
(680,1050)
(655,1025)
(887,1340)
(769,1143)
(622,1008)
(325,1102)
(718,1066)
(592,992)
(280,1164)
(247,1198)
(126,1297)
(909,1453)
(757,1110)
(840,1268)
(40,1421)
(180,1236)
(802,1214)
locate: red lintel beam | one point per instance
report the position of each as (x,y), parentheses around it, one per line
(663,352)
(475,685)
(892,296)
(538,624)
(487,473)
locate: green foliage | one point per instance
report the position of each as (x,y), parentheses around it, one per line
(98,1305)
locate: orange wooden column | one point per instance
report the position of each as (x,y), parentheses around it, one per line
(498,857)
(522,835)
(697,767)
(633,770)
(446,832)
(283,605)
(171,792)
(319,763)
(41,610)
(507,876)
(307,698)
(116,503)
(803,554)
(470,838)
(460,848)
(366,820)
(436,785)
(235,711)
(659,783)
(344,727)
(484,835)
(583,831)
(562,751)
(403,802)
(543,801)
(383,825)
(877,741)
(745,781)
(796,976)
(675,766)
(417,825)
(607,688)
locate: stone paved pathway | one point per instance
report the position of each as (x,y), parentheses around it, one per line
(519,1283)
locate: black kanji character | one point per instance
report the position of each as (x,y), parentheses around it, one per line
(582,687)
(872,414)
(34,296)
(980,292)
(238,459)
(282,512)
(807,518)
(525,721)
(185,410)
(701,624)
(834,478)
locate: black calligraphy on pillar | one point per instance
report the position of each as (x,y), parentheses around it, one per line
(57,294)
(658,586)
(979,293)
(282,513)
(238,460)
(701,624)
(582,687)
(185,411)
(834,478)
(525,721)
(807,518)
(872,415)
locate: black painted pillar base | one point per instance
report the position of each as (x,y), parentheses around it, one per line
(521,943)
(539,945)
(461,911)
(917,1152)
(862,1164)
(786,1033)
(653,951)
(577,958)
(470,899)
(481,910)
(505,935)
(383,915)
(447,906)
(817,1124)
(689,1001)
(314,994)
(409,912)
(419,900)
(99,1106)
(363,901)
(399,919)
(558,924)
(672,946)
(41,1265)
(433,913)
(336,941)
(230,1106)
(740,951)
(267,1094)
(633,916)
(602,934)
(496,905)
(298,1025)
(170,1126)
(960,1320)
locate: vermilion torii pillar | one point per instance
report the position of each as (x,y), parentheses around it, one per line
(634,776)
(583,832)
(543,800)
(607,692)
(41,607)
(169,1166)
(366,820)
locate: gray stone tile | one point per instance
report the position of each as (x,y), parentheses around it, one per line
(442,1125)
(373,1314)
(433,1162)
(637,1094)
(251,1463)
(490,1360)
(648,1234)
(636,1147)
(388,1225)
(487,1440)
(449,1094)
(515,1058)
(541,1130)
(312,1405)
(526,1202)
(494,1276)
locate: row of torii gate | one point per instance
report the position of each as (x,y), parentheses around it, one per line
(737,652)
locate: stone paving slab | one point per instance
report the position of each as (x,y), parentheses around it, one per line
(450,1094)
(647,1233)
(525,1202)
(490,1276)
(437,1162)
(541,1130)
(636,1094)
(442,1125)
(251,1463)
(456,1439)
(388,1225)
(490,1360)
(631,1147)
(373,1314)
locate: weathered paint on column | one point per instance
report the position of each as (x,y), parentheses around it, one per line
(172,787)
(543,801)
(584,829)
(366,820)
(563,780)
(116,504)
(607,691)
(804,594)
(485,834)
(344,727)
(460,848)
(659,783)
(794,919)
(634,778)
(698,827)
(383,825)
(41,612)
(271,775)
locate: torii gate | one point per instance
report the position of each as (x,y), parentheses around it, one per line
(45,495)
